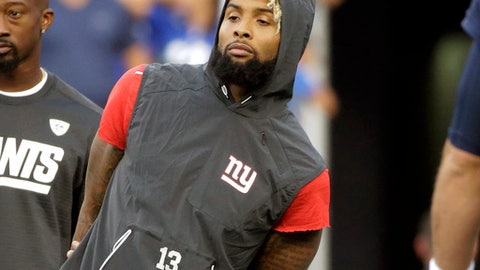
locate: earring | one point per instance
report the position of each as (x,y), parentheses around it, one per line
(43,31)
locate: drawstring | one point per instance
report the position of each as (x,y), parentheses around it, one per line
(117,244)
(245,100)
(225,91)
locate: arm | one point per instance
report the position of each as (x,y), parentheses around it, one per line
(102,162)
(288,251)
(455,209)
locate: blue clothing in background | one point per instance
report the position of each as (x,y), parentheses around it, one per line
(464,131)
(84,46)
(171,40)
(302,90)
(471,22)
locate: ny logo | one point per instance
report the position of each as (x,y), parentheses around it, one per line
(236,175)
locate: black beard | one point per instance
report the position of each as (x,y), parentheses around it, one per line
(9,64)
(250,75)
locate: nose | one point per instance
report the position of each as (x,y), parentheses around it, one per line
(242,31)
(3,27)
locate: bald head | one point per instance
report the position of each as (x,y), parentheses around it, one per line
(42,4)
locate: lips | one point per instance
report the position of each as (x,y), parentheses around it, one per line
(5,48)
(239,49)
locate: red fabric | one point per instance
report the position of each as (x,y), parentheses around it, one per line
(309,210)
(116,115)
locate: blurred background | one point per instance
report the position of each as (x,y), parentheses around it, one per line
(394,66)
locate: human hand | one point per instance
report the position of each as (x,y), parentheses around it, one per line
(73,246)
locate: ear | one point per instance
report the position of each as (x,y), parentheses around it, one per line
(47,19)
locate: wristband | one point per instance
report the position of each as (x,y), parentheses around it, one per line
(432,265)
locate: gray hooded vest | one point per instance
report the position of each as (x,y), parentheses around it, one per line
(203,180)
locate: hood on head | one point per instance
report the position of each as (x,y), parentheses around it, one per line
(296,25)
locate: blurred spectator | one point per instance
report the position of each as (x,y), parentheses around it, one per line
(315,101)
(309,87)
(183,31)
(139,8)
(312,83)
(92,42)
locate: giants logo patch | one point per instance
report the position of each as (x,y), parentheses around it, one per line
(239,175)
(30,166)
(59,127)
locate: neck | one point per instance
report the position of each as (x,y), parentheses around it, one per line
(20,80)
(237,92)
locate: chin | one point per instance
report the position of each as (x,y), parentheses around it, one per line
(241,60)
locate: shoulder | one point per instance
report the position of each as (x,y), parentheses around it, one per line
(175,75)
(133,73)
(72,96)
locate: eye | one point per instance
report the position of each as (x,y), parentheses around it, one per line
(265,19)
(233,18)
(14,14)
(263,22)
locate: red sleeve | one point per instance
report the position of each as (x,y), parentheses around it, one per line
(118,111)
(310,210)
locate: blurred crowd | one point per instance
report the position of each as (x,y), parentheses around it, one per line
(112,36)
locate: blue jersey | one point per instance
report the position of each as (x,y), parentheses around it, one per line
(464,131)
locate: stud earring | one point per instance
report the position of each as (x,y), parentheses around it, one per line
(43,31)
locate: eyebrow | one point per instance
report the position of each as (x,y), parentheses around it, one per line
(16,3)
(235,6)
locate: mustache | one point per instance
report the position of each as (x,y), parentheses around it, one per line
(6,43)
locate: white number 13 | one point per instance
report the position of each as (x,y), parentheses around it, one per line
(172,264)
